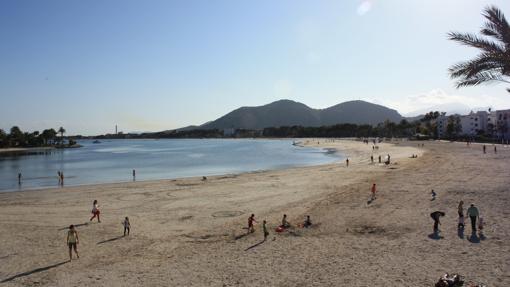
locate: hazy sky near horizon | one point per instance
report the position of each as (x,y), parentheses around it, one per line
(156,65)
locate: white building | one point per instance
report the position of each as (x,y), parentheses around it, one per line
(474,123)
(501,123)
(441,124)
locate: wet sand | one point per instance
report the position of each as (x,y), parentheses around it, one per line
(189,232)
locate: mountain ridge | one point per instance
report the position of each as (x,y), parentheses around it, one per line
(287,112)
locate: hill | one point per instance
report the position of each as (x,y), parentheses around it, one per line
(291,113)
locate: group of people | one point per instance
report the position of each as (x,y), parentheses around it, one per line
(372,159)
(72,234)
(285,224)
(484,148)
(472,212)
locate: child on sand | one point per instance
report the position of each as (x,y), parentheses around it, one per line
(308,222)
(72,242)
(285,223)
(481,223)
(433,193)
(127,225)
(251,220)
(95,211)
(461,222)
(264,229)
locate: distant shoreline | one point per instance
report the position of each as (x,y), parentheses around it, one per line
(25,150)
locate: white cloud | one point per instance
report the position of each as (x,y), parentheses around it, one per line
(364,7)
(439,98)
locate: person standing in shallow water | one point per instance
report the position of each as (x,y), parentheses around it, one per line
(72,242)
(134,175)
(19,178)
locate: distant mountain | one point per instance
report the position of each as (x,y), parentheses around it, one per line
(291,113)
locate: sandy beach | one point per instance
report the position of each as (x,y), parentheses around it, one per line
(189,232)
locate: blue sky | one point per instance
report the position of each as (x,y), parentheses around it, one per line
(156,65)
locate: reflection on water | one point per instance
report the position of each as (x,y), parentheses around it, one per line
(114,160)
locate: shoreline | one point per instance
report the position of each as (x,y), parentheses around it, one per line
(326,151)
(190,232)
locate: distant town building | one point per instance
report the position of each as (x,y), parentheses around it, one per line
(501,124)
(474,123)
(228,132)
(493,123)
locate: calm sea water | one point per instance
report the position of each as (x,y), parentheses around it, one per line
(114,160)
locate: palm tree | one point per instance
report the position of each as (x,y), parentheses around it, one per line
(61,131)
(493,63)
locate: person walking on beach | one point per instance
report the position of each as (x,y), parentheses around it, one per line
(19,178)
(134,175)
(460,210)
(373,190)
(59,177)
(127,225)
(484,148)
(62,178)
(251,220)
(264,229)
(473,214)
(95,211)
(72,242)
(347,162)
(379,158)
(435,216)
(495,149)
(372,158)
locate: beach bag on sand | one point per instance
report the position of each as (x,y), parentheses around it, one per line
(279,229)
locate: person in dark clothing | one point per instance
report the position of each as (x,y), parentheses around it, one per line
(435,216)
(473,214)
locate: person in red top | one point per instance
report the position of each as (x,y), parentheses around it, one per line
(251,220)
(374,190)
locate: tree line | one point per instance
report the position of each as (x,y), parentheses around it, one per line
(18,138)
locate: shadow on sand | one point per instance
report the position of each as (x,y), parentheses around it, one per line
(474,238)
(435,236)
(460,232)
(37,270)
(255,245)
(111,239)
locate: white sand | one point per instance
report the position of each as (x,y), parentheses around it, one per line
(183,231)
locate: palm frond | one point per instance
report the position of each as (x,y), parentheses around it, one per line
(497,25)
(477,42)
(480,78)
(484,62)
